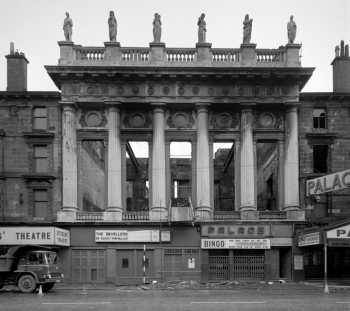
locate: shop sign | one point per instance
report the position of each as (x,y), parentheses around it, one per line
(327,183)
(235,230)
(191,263)
(34,236)
(130,236)
(338,243)
(339,233)
(235,244)
(308,239)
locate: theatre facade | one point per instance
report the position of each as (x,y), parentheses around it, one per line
(187,156)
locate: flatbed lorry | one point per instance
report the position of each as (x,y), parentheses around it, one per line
(28,267)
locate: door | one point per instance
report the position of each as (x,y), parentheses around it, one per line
(130,265)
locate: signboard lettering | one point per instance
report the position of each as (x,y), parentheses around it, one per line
(307,239)
(130,236)
(339,233)
(235,244)
(327,183)
(235,230)
(34,236)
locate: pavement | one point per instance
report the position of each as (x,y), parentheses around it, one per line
(181,296)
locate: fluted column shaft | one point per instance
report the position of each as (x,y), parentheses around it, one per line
(158,206)
(248,191)
(291,160)
(114,160)
(203,168)
(69,157)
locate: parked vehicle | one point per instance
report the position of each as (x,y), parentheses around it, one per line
(28,267)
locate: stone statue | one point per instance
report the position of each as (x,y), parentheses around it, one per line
(292,30)
(201,29)
(157,28)
(247,29)
(68,27)
(112,25)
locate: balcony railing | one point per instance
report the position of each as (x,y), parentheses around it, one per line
(226,215)
(89,216)
(135,215)
(71,54)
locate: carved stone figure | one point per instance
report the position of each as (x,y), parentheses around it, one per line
(157,28)
(201,29)
(68,27)
(247,29)
(292,30)
(112,25)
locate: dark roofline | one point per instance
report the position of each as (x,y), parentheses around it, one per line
(324,95)
(30,94)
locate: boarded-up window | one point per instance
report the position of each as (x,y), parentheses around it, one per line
(40,118)
(40,204)
(88,266)
(41,159)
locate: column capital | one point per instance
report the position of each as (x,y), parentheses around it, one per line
(158,107)
(247,106)
(291,105)
(112,105)
(68,106)
(201,107)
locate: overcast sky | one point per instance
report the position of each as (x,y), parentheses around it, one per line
(35,26)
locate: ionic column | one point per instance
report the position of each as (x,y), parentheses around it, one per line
(69,158)
(203,209)
(159,205)
(291,160)
(114,201)
(248,191)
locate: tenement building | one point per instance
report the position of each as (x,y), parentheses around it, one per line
(196,158)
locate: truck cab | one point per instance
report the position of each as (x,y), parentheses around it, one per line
(29,268)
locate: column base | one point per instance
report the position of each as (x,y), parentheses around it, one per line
(113,214)
(203,213)
(295,214)
(67,214)
(159,214)
(249,214)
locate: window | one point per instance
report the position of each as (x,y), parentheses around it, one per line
(319,118)
(41,203)
(320,158)
(41,159)
(125,263)
(40,118)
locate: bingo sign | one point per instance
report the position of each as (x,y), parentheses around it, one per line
(235,244)
(34,236)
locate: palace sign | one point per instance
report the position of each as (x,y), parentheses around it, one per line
(34,236)
(339,233)
(328,183)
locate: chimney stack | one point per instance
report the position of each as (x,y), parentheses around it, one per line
(341,69)
(16,70)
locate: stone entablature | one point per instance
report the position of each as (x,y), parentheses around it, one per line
(158,54)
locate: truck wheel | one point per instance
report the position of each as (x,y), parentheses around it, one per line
(47,287)
(26,283)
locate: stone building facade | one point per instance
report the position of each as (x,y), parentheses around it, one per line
(227,207)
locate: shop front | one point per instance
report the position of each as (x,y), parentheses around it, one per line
(246,252)
(332,240)
(125,255)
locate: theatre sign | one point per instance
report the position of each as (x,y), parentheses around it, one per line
(328,183)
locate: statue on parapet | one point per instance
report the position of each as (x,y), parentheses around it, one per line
(68,27)
(247,29)
(201,29)
(112,26)
(157,28)
(292,30)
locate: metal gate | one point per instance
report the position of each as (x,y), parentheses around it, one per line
(250,267)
